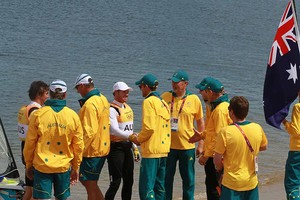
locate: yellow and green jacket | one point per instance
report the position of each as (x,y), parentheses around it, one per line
(94,116)
(293,128)
(155,136)
(219,118)
(54,142)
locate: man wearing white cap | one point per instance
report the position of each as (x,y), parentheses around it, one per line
(120,158)
(94,116)
(54,146)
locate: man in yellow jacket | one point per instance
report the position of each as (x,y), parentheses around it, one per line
(292,166)
(38,94)
(94,116)
(218,118)
(53,146)
(154,138)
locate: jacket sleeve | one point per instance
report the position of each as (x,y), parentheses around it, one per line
(89,124)
(221,120)
(77,145)
(293,127)
(31,141)
(148,121)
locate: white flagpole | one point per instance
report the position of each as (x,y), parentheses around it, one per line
(296,24)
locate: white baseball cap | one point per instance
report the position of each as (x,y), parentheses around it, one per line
(58,84)
(83,79)
(121,86)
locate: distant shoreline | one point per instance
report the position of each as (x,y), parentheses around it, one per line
(266,192)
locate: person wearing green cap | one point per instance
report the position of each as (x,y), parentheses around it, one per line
(219,118)
(200,148)
(185,110)
(154,138)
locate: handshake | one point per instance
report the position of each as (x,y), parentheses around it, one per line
(133,138)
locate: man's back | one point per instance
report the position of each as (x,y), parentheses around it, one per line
(94,115)
(239,166)
(58,135)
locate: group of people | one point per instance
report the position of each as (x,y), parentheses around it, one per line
(61,147)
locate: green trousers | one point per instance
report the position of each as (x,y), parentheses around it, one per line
(152,178)
(186,160)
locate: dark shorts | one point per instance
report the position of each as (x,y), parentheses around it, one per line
(228,193)
(42,187)
(90,168)
(28,182)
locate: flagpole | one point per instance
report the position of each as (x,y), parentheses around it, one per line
(296,24)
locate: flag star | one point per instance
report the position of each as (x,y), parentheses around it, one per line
(293,73)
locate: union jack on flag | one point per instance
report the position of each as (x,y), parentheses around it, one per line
(281,82)
(284,33)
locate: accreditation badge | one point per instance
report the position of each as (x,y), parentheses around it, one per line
(174,124)
(256,164)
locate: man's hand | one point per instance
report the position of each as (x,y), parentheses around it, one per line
(74,177)
(200,149)
(29,173)
(203,160)
(133,138)
(196,137)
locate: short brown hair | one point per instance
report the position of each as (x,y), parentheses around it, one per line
(57,95)
(240,106)
(37,88)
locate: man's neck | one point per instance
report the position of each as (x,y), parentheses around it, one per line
(38,101)
(118,103)
(216,96)
(238,120)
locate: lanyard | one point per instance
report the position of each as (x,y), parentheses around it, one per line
(243,133)
(157,95)
(182,104)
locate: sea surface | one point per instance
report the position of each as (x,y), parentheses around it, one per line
(123,40)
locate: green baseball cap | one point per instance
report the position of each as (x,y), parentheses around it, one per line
(148,79)
(179,75)
(210,83)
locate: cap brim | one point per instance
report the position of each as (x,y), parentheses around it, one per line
(174,79)
(138,82)
(201,87)
(129,88)
(198,86)
(76,86)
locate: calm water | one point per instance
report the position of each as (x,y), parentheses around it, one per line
(121,41)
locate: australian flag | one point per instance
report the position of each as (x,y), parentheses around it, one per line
(283,71)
